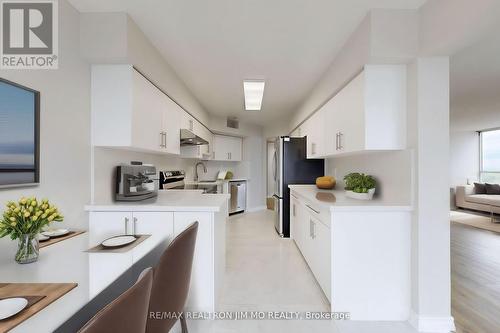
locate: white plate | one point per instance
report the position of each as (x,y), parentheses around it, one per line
(11,306)
(42,238)
(56,232)
(118,241)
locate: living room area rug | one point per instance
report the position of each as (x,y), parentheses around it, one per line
(474,220)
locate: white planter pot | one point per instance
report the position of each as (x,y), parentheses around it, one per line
(361,196)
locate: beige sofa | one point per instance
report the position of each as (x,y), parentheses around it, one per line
(466,198)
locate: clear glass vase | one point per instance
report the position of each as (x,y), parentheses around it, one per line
(27,249)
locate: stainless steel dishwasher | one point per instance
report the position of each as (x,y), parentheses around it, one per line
(238,191)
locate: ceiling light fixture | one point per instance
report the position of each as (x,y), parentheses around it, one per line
(254,92)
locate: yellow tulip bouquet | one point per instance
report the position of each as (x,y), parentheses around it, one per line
(23,220)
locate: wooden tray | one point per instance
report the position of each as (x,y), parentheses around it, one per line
(39,295)
(59,239)
(126,248)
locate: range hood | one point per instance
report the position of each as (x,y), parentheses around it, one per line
(188,138)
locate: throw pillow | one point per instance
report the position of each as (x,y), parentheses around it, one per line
(492,188)
(479,188)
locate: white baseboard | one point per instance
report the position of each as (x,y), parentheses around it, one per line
(432,324)
(256,209)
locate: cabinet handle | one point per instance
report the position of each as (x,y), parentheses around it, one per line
(134,224)
(230,156)
(161,139)
(191,124)
(314,210)
(313,148)
(310,228)
(126,226)
(165,138)
(293,210)
(313,232)
(341,146)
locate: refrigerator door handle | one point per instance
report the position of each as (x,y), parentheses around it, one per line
(274,165)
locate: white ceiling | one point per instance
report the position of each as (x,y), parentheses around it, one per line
(214,44)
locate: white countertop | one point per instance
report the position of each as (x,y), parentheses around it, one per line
(168,201)
(66,262)
(336,200)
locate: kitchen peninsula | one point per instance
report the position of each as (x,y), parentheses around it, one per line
(102,276)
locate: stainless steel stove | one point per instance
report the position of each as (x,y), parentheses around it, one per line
(174,180)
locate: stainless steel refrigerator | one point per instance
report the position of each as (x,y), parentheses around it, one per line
(290,166)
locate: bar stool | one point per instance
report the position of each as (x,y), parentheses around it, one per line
(126,314)
(171,280)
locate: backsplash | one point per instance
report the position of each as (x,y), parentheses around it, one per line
(392,169)
(106,159)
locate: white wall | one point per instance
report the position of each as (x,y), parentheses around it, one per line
(464,157)
(384,36)
(352,57)
(115,38)
(64,125)
(219,125)
(393,184)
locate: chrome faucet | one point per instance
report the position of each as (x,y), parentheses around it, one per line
(196,170)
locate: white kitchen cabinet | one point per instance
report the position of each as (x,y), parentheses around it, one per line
(207,277)
(187,122)
(128,111)
(368,114)
(103,225)
(197,152)
(227,148)
(159,225)
(170,121)
(202,289)
(320,253)
(108,224)
(359,253)
(313,239)
(316,134)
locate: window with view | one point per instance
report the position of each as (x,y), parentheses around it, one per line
(490,156)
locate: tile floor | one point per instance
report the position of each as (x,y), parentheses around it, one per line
(267,273)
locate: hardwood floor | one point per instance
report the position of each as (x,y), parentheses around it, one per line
(475,279)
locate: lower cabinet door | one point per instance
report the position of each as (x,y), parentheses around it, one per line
(201,291)
(322,256)
(160,227)
(103,225)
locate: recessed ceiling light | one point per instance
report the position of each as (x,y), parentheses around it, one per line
(254,92)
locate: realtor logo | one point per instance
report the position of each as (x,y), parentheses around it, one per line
(29,34)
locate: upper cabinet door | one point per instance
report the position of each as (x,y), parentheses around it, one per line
(147,115)
(227,148)
(369,113)
(128,111)
(187,121)
(350,116)
(235,150)
(171,126)
(315,136)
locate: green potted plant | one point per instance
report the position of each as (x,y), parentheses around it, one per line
(23,220)
(360,186)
